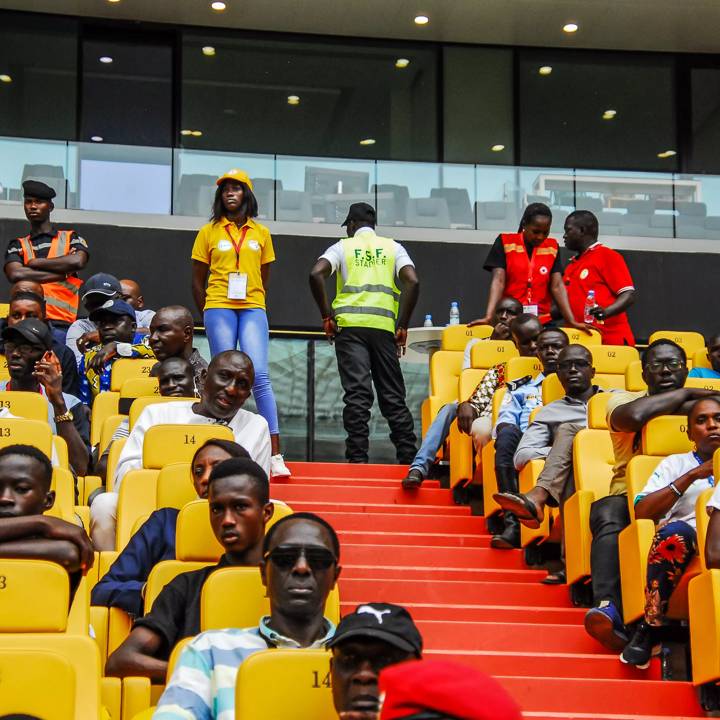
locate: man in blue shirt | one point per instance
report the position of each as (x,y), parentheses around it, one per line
(512,422)
(712,344)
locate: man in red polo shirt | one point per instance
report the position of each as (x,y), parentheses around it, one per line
(598,268)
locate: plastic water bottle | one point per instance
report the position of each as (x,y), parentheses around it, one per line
(589,305)
(454,313)
(428,321)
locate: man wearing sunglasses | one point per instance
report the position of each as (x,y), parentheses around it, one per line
(664,370)
(299,569)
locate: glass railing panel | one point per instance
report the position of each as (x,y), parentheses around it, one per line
(551,186)
(321,190)
(28,159)
(429,195)
(195,173)
(697,207)
(120,178)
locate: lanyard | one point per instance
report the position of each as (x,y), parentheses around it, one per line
(237,245)
(700,461)
(531,272)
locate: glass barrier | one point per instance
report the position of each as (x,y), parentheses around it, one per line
(698,217)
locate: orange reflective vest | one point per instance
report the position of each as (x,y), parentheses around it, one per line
(61,298)
(527,279)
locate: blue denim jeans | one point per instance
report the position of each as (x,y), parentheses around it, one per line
(226,329)
(434,438)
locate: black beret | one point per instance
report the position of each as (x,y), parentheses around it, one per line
(37,189)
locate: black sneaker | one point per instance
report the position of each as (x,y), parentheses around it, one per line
(641,648)
(413,479)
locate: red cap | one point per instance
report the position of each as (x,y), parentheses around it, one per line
(447,688)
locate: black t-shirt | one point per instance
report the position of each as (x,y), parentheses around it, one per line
(496,257)
(175,613)
(41,244)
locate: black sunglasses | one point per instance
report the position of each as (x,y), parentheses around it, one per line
(286,557)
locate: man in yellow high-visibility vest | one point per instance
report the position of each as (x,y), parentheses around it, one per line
(368,323)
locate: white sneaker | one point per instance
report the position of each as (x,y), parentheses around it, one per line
(278,468)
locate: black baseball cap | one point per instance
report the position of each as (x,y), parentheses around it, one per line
(32,331)
(360,212)
(100,284)
(115,307)
(37,189)
(381,621)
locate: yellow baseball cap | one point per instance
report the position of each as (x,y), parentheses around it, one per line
(237,175)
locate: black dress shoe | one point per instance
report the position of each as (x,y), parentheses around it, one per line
(413,480)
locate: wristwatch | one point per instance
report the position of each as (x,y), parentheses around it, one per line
(65,417)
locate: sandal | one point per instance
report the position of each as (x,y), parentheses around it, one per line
(523,509)
(555,578)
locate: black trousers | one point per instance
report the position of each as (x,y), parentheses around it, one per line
(366,356)
(608,517)
(506,443)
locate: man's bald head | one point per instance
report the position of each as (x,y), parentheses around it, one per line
(132,294)
(171,332)
(27,286)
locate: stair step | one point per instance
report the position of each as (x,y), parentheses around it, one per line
(417,521)
(379,538)
(361,493)
(376,572)
(317,479)
(349,470)
(322,507)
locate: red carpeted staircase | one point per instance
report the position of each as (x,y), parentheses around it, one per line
(480,606)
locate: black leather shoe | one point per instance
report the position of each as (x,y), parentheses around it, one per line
(413,480)
(509,538)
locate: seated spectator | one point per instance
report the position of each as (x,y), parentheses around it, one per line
(132,294)
(664,366)
(442,690)
(239,507)
(171,335)
(712,344)
(33,367)
(473,409)
(25,533)
(36,288)
(299,569)
(116,325)
(227,387)
(669,498)
(122,585)
(24,305)
(366,641)
(512,422)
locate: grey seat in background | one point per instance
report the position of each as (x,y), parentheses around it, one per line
(392,212)
(497,215)
(428,212)
(610,222)
(690,220)
(195,195)
(558,221)
(544,199)
(637,220)
(593,204)
(51,175)
(458,202)
(662,225)
(264,191)
(294,206)
(712,227)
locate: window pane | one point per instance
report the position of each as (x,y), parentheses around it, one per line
(478,105)
(38,87)
(596,110)
(305,98)
(705,88)
(127,93)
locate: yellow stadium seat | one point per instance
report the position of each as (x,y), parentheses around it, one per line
(593,460)
(666,435)
(29,405)
(576,337)
(613,359)
(704,606)
(519,367)
(637,473)
(4,372)
(700,359)
(4,309)
(633,377)
(689,341)
(104,405)
(140,403)
(136,387)
(126,368)
(136,698)
(26,432)
(489,480)
(63,483)
(460,444)
(552,388)
(163,573)
(527,480)
(219,607)
(61,451)
(491,352)
(109,426)
(116,447)
(164,444)
(175,486)
(136,498)
(445,368)
(305,686)
(705,383)
(597,411)
(456,337)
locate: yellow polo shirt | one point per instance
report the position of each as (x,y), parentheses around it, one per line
(215,246)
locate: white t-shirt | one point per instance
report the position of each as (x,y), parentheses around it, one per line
(250,430)
(669,470)
(335,255)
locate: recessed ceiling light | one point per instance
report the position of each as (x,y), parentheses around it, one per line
(545,70)
(186,132)
(570,27)
(293,100)
(402,63)
(113,1)
(667,154)
(196,133)
(105,59)
(5,78)
(208,50)
(497,148)
(96,138)
(609,114)
(368,141)
(422,19)
(218,6)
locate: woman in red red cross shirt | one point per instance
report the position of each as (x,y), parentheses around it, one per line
(598,268)
(526,266)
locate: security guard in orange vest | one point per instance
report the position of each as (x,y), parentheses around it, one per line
(368,323)
(49,256)
(526,266)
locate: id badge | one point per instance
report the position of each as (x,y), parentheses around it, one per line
(531,309)
(237,286)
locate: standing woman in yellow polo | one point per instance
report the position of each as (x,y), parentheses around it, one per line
(230,271)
